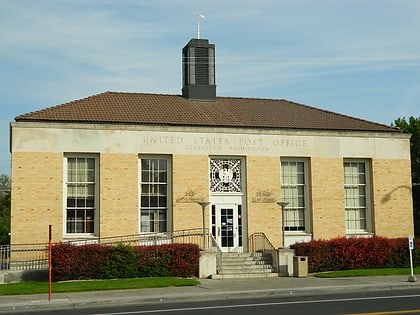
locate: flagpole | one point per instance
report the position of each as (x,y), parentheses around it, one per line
(199,16)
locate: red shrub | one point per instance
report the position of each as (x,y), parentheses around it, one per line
(179,260)
(101,262)
(354,253)
(184,260)
(77,262)
(63,259)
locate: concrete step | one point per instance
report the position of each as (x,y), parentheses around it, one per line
(247,270)
(257,275)
(249,257)
(245,258)
(245,265)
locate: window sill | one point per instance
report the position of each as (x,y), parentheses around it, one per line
(299,233)
(81,239)
(359,234)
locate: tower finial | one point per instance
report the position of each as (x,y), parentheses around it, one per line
(199,16)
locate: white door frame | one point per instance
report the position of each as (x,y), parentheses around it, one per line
(227,222)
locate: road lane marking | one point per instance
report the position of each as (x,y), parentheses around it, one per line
(390,313)
(266,304)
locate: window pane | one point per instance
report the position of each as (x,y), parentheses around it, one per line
(153,201)
(145,201)
(301,179)
(89,214)
(162,221)
(163,189)
(145,221)
(300,167)
(145,164)
(71,215)
(90,202)
(162,201)
(162,177)
(71,202)
(301,202)
(145,189)
(80,203)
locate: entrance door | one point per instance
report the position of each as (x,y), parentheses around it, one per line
(227,226)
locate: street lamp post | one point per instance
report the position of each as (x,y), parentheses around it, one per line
(283,205)
(203,205)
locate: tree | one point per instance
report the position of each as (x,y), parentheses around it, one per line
(5,194)
(413,126)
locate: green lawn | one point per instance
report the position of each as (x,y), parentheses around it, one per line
(367,272)
(94,285)
(141,283)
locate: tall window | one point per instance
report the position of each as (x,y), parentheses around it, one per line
(356,194)
(81,195)
(294,191)
(154,194)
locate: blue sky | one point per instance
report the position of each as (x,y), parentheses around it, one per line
(359,58)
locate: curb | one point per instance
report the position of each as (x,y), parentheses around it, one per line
(72,304)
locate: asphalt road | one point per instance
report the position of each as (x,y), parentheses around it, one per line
(372,303)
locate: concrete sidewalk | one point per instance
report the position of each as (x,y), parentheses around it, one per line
(207,290)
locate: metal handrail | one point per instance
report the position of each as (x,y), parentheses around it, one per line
(219,254)
(24,256)
(150,238)
(35,256)
(259,242)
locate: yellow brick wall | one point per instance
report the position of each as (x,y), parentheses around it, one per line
(119,193)
(37,198)
(190,184)
(263,191)
(392,199)
(327,194)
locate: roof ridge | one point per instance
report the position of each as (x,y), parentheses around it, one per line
(142,93)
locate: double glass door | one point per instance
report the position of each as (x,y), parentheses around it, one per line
(226,226)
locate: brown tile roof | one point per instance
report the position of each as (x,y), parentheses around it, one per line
(175,110)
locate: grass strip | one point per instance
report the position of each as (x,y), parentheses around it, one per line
(367,272)
(94,285)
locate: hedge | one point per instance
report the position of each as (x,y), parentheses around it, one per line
(71,262)
(356,253)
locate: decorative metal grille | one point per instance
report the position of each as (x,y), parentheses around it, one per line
(225,175)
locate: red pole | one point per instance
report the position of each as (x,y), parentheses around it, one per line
(49,264)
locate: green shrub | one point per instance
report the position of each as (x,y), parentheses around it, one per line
(120,263)
(152,261)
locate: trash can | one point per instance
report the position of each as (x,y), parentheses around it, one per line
(300,266)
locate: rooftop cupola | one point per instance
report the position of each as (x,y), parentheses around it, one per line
(198,73)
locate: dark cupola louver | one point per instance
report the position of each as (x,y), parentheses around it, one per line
(198,70)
